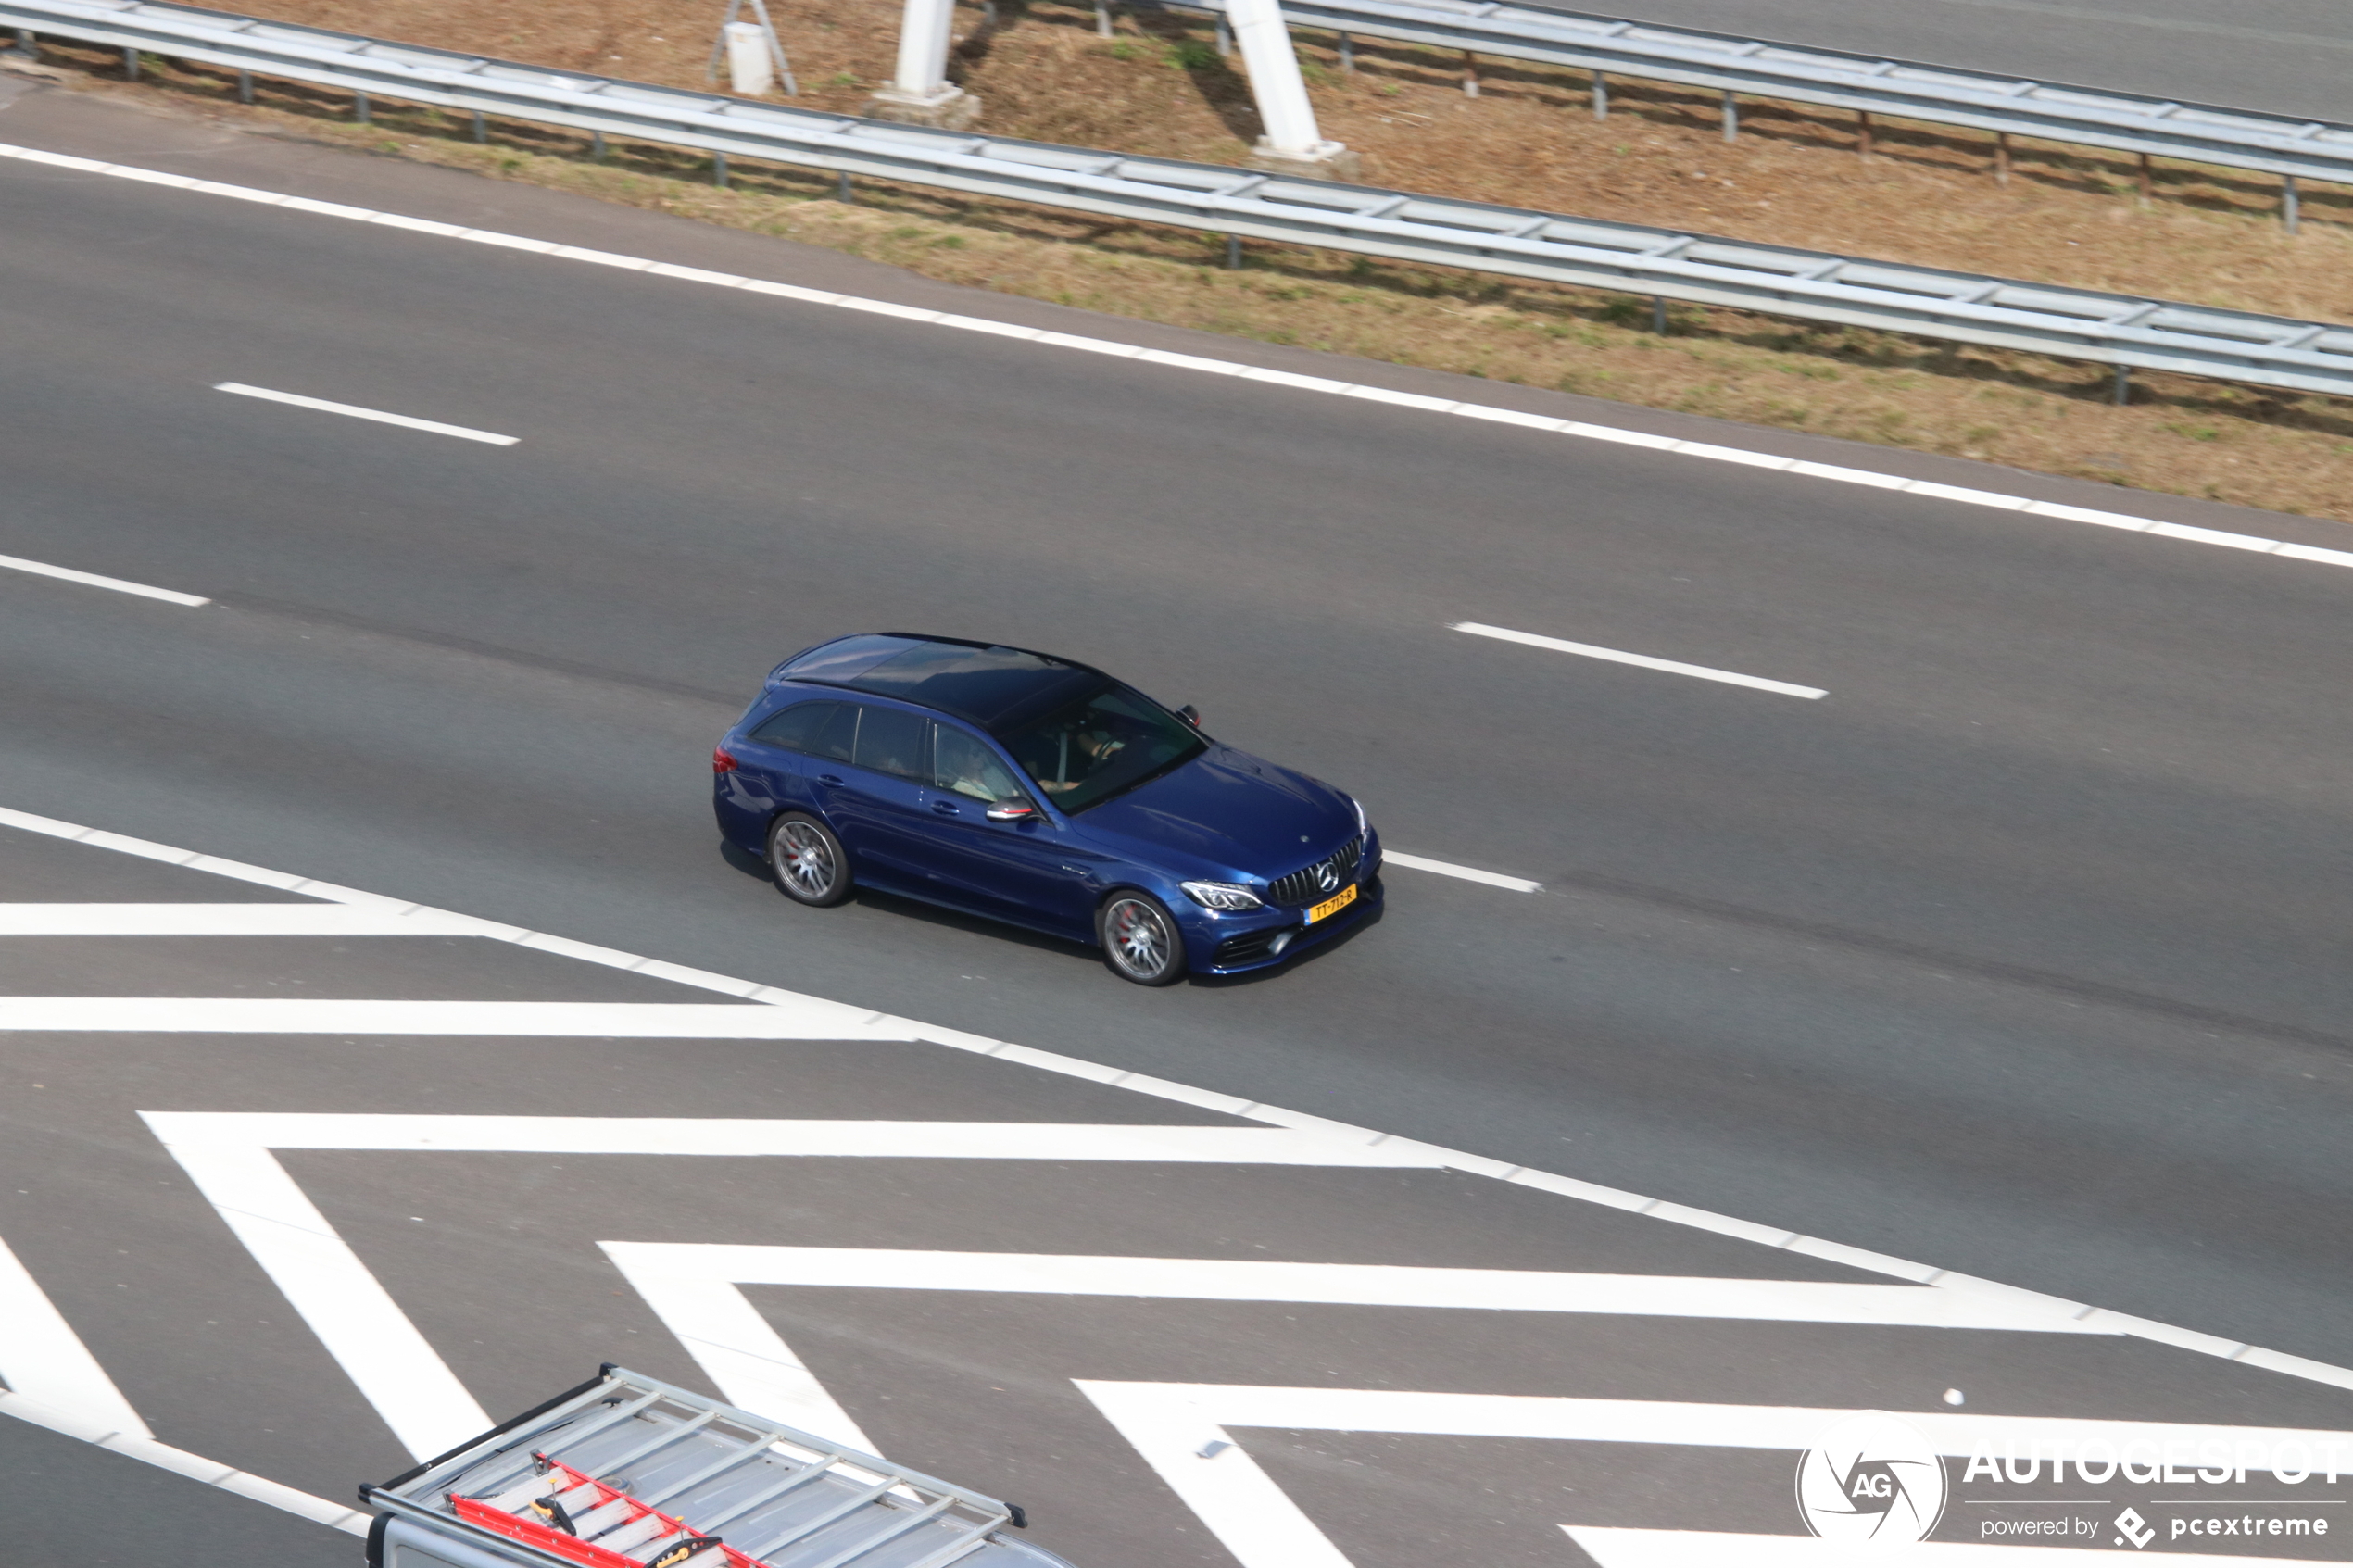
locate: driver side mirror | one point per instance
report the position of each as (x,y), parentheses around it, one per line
(1012,811)
(1191,715)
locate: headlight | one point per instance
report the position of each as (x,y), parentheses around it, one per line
(1228,896)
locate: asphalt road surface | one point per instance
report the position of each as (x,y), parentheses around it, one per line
(461,1170)
(2019,953)
(2290,56)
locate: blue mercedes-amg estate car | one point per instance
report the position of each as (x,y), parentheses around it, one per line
(1037,790)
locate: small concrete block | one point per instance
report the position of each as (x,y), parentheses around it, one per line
(947,108)
(1326,160)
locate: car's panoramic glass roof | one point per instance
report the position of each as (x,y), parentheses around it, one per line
(991,686)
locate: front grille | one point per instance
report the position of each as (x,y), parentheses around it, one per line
(1306,885)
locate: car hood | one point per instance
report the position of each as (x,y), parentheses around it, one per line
(1228,812)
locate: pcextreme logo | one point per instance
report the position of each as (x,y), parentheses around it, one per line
(1871,1477)
(2171,1489)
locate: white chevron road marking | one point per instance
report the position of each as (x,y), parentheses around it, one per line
(808,1019)
(698,1291)
(1186,1432)
(231,1158)
(44,1360)
(1707,1549)
(224,920)
(1362,1284)
(730,1136)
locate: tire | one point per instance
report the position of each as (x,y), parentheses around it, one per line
(808,862)
(1140,941)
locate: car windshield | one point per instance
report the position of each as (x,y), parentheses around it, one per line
(1096,747)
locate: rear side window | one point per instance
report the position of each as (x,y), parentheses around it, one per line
(891,741)
(834,740)
(818,729)
(798,727)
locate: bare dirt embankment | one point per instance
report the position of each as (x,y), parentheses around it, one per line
(1528,139)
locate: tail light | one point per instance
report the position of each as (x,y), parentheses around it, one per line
(720,761)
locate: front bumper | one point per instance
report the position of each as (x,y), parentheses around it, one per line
(1218,944)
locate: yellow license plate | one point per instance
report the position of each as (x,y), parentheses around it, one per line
(1330,906)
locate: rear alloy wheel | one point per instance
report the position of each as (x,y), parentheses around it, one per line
(1140,940)
(808,861)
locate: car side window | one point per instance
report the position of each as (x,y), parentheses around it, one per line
(798,728)
(891,741)
(962,763)
(833,742)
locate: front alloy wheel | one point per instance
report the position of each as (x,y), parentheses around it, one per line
(808,861)
(1141,942)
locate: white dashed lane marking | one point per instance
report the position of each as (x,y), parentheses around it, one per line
(1640,660)
(1467,873)
(91,580)
(1994,500)
(352,410)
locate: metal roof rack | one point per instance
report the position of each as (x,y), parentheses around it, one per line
(627,1471)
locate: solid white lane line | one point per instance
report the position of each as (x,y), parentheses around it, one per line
(1492,879)
(1643,662)
(91,580)
(2023,505)
(378,415)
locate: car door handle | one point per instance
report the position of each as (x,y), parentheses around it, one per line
(829,779)
(947,807)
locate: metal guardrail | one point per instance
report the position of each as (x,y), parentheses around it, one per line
(2118,330)
(2280,145)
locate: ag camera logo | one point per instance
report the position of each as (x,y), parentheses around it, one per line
(1871,1477)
